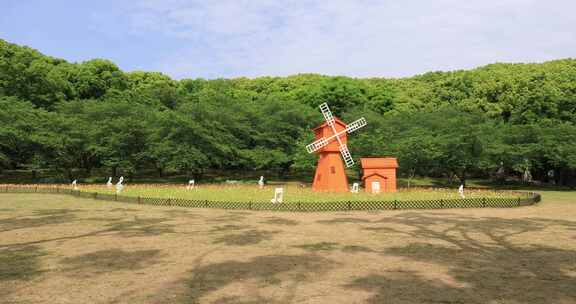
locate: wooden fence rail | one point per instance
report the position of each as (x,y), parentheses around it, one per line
(520,199)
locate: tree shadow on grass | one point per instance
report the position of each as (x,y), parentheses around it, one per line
(139,227)
(229,227)
(343,220)
(44,212)
(108,260)
(356,249)
(330,246)
(409,288)
(263,271)
(182,213)
(124,209)
(480,256)
(23,222)
(241,212)
(132,228)
(322,246)
(241,300)
(280,221)
(101,219)
(227,218)
(22,263)
(245,238)
(19,264)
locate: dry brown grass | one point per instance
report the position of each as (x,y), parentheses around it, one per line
(61,249)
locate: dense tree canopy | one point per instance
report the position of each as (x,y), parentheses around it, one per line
(495,121)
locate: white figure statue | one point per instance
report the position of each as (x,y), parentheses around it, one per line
(109,182)
(461,191)
(354,188)
(190,184)
(75,184)
(278,196)
(527,176)
(119,186)
(261,182)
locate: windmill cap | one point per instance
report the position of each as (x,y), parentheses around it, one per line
(325,124)
(379,162)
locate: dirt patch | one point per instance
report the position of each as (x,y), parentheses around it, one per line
(60,249)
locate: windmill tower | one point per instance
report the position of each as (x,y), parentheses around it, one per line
(330,143)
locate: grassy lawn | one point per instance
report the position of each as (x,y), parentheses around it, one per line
(292,193)
(62,249)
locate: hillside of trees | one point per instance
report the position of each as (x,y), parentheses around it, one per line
(500,121)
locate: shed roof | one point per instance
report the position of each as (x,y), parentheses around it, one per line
(379,162)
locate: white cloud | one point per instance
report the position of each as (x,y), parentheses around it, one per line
(357,38)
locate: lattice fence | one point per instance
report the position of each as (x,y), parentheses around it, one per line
(520,199)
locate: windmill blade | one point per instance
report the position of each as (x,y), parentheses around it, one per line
(356,125)
(346,156)
(327,114)
(317,145)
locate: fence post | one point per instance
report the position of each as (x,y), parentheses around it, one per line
(442,203)
(249,205)
(36,188)
(349,206)
(168,202)
(395,205)
(139,201)
(519,202)
(484,202)
(299,207)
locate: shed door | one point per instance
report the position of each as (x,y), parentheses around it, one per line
(375,187)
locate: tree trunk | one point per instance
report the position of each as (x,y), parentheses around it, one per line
(462,178)
(411,176)
(69,173)
(284,170)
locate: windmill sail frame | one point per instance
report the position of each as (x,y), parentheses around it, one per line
(322,142)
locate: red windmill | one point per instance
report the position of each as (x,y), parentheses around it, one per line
(330,143)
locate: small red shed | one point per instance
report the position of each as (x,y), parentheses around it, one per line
(379,174)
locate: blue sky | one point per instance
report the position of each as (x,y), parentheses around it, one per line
(233,38)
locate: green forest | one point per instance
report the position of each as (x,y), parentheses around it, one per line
(501,122)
